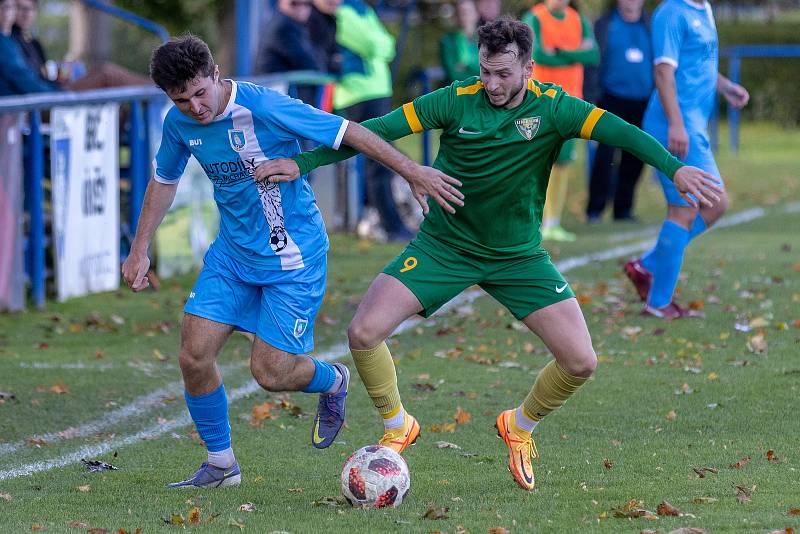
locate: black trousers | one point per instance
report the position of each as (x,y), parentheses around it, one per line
(628,168)
(377,178)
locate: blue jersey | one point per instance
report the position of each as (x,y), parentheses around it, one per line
(628,55)
(685,36)
(266,226)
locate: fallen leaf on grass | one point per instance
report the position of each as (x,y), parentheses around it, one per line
(741,463)
(630,332)
(194,516)
(96,465)
(742,493)
(608,464)
(462,417)
(425,387)
(704,500)
(247,507)
(701,472)
(771,457)
(446,445)
(35,442)
(36,527)
(697,304)
(77,524)
(5,496)
(794,511)
(85,488)
(667,509)
(442,427)
(689,530)
(434,512)
(330,501)
(4,395)
(59,388)
(685,389)
(632,509)
(671,415)
(499,530)
(295,490)
(260,412)
(175,519)
(236,524)
(159,356)
(787,530)
(757,344)
(758,322)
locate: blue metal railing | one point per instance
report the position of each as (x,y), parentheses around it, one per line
(735,54)
(139,99)
(133,18)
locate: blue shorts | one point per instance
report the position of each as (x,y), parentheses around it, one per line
(700,155)
(280,307)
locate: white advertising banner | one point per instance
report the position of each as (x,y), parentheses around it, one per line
(84,154)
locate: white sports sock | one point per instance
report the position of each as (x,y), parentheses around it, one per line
(222,459)
(523,421)
(550,223)
(338,382)
(393,423)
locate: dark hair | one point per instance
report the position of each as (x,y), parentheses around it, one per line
(497,35)
(179,60)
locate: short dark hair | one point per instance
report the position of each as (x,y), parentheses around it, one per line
(179,60)
(497,35)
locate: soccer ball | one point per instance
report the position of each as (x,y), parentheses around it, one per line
(375,476)
(278,239)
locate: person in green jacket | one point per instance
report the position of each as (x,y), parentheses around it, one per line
(364,91)
(459,49)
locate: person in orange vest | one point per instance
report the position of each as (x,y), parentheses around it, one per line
(563,42)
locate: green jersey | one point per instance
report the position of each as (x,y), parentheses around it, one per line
(502,156)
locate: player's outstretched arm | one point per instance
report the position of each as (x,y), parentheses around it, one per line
(424,181)
(157,200)
(613,131)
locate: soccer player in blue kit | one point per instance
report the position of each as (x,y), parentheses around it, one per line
(265,273)
(686,58)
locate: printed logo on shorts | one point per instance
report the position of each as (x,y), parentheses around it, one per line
(300,327)
(528,126)
(236,138)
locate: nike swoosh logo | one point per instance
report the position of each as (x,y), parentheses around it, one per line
(316,438)
(527,478)
(467,132)
(561,289)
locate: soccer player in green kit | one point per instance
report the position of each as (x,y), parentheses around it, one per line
(501,135)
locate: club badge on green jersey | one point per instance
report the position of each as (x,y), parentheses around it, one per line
(528,126)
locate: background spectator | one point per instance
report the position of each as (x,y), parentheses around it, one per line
(459,50)
(364,92)
(22,32)
(621,84)
(322,29)
(563,43)
(16,76)
(488,10)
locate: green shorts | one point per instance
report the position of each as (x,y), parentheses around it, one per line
(567,153)
(436,273)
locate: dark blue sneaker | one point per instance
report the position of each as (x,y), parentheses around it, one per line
(210,476)
(330,412)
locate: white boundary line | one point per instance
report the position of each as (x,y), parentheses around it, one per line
(336,352)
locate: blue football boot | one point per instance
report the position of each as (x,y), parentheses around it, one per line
(210,476)
(330,412)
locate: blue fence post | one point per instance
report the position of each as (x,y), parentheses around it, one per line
(36,242)
(139,157)
(733,113)
(243,59)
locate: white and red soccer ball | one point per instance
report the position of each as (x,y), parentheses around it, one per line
(375,476)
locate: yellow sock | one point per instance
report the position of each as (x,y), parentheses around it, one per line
(376,369)
(556,195)
(551,390)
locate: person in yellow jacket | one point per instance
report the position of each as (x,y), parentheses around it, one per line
(563,42)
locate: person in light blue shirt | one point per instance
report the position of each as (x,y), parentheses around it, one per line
(686,59)
(622,84)
(265,273)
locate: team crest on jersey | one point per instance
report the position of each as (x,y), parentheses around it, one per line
(528,126)
(236,138)
(300,326)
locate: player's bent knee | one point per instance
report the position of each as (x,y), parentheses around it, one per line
(265,375)
(361,337)
(581,365)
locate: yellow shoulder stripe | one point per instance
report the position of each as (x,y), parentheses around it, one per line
(590,122)
(470,89)
(533,87)
(411,117)
(550,92)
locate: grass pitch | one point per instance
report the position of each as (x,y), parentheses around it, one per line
(98,378)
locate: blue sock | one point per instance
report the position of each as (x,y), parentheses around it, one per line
(667,257)
(324,377)
(698,227)
(210,415)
